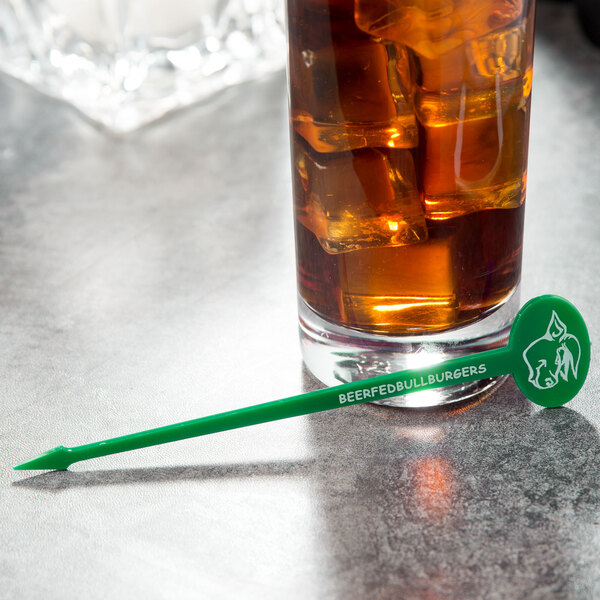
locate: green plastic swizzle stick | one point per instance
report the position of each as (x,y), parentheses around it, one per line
(548,354)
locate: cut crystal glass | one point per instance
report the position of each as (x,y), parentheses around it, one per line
(124,63)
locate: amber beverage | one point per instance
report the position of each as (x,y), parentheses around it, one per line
(409,132)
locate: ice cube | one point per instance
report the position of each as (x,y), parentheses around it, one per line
(498,53)
(438,109)
(434,27)
(474,164)
(415,290)
(473,104)
(352,95)
(497,57)
(358,199)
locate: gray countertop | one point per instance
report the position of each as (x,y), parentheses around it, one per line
(149,280)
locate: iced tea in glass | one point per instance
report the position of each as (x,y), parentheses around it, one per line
(409,132)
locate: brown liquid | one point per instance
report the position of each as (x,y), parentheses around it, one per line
(410,124)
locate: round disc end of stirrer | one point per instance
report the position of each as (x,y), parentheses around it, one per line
(550,347)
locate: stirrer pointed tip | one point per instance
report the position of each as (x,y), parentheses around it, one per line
(57,459)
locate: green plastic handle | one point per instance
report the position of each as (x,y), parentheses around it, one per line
(548,354)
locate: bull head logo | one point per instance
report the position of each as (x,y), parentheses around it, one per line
(552,357)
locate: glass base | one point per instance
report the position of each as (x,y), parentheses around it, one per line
(335,354)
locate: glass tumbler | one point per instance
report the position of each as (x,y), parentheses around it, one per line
(409,133)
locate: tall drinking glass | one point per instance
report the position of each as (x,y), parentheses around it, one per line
(409,133)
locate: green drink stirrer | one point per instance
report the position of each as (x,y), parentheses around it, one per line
(548,354)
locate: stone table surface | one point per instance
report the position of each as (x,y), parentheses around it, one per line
(149,279)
